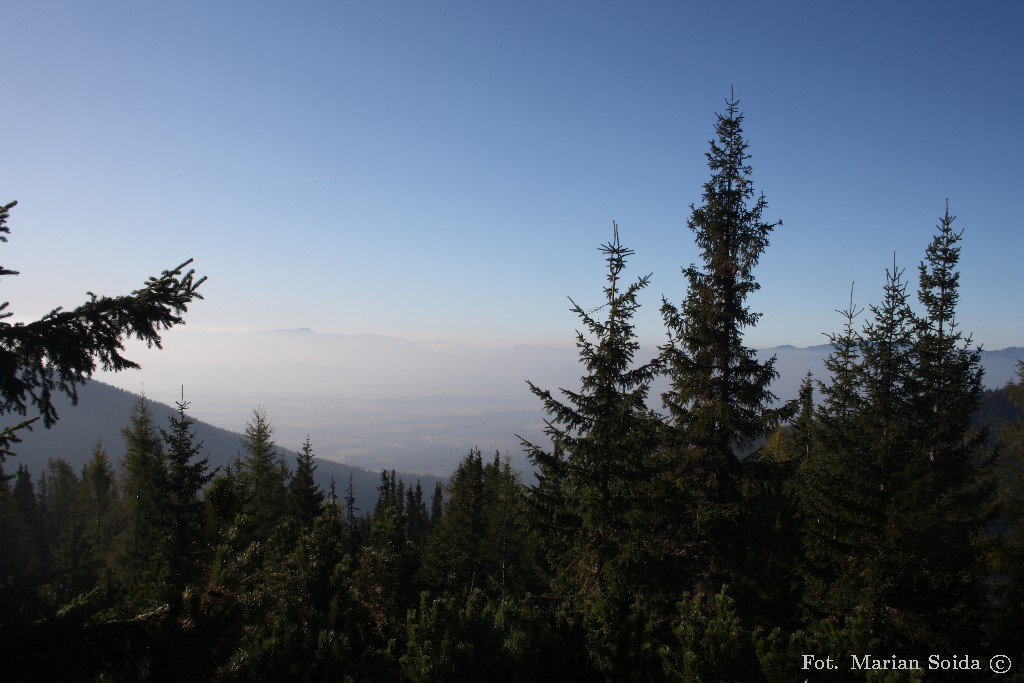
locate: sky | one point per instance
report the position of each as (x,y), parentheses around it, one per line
(448,170)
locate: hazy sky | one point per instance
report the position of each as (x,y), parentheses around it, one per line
(448,169)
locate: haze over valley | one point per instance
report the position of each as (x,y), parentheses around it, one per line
(375,401)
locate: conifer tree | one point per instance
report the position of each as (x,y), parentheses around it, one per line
(480,541)
(897,496)
(305,497)
(143,565)
(58,352)
(594,487)
(353,524)
(262,477)
(64,525)
(22,531)
(954,483)
(98,501)
(719,399)
(1008,579)
(187,475)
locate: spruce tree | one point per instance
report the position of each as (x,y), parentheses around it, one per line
(262,477)
(23,533)
(719,400)
(594,487)
(58,352)
(99,502)
(187,475)
(898,495)
(305,497)
(1008,576)
(955,482)
(143,565)
(825,481)
(481,540)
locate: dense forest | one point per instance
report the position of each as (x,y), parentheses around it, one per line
(870,530)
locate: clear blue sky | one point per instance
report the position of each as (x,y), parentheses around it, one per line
(448,169)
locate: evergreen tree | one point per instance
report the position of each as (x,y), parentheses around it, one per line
(353,523)
(64,526)
(307,629)
(98,493)
(145,552)
(383,585)
(594,488)
(1007,628)
(22,531)
(452,559)
(954,479)
(898,496)
(508,545)
(187,474)
(481,540)
(58,352)
(262,477)
(719,398)
(305,497)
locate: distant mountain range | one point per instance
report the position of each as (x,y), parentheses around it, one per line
(373,401)
(793,363)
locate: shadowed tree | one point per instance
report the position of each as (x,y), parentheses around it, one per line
(263,479)
(719,399)
(58,352)
(187,474)
(594,494)
(305,497)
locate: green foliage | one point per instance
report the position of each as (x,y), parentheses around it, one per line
(19,534)
(58,352)
(306,625)
(145,554)
(99,494)
(186,475)
(481,539)
(470,637)
(305,497)
(719,397)
(897,491)
(595,495)
(710,644)
(1007,580)
(262,479)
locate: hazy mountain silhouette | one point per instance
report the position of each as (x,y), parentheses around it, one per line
(103,410)
(374,401)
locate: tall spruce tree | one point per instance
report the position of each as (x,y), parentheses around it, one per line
(187,475)
(719,399)
(594,487)
(99,503)
(955,483)
(263,477)
(143,565)
(305,497)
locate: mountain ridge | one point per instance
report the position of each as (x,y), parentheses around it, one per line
(103,410)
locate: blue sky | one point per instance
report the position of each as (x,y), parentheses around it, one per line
(448,169)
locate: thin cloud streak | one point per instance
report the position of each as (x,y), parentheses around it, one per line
(300,180)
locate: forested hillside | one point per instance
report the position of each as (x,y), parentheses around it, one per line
(103,411)
(869,530)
